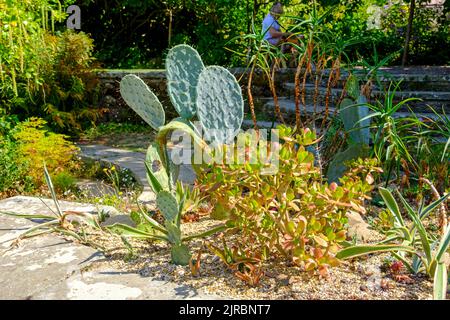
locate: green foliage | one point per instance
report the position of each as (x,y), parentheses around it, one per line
(426,248)
(292,213)
(64,181)
(35,144)
(12,173)
(45,72)
(355,118)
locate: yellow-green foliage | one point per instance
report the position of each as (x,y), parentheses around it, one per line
(35,145)
(292,214)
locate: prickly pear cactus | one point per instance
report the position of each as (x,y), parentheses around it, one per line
(352,86)
(180,255)
(173,232)
(183,66)
(337,167)
(351,115)
(157,177)
(142,100)
(220,106)
(168,205)
(363,112)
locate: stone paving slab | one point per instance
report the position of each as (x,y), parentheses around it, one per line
(134,161)
(37,263)
(113,285)
(50,267)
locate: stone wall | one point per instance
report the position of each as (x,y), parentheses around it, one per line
(432,84)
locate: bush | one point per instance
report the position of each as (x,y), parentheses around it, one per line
(12,174)
(292,214)
(64,182)
(36,145)
(44,72)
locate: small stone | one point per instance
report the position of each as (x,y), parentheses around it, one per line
(294,279)
(283,279)
(364,288)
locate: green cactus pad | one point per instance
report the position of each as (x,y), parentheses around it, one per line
(158,172)
(142,100)
(183,65)
(352,86)
(168,205)
(173,233)
(351,114)
(180,255)
(337,167)
(220,106)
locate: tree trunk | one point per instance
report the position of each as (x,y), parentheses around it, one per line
(412,7)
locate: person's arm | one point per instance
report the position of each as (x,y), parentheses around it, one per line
(277,34)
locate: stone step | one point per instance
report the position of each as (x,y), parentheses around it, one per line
(287,107)
(437,100)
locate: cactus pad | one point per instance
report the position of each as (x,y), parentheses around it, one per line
(220,106)
(351,115)
(142,100)
(180,255)
(183,65)
(168,205)
(173,233)
(155,165)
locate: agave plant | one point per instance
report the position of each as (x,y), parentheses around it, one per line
(210,93)
(170,231)
(61,222)
(427,249)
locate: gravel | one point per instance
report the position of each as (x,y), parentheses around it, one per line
(362,278)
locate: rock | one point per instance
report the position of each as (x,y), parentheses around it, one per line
(294,279)
(364,288)
(357,227)
(283,279)
(122,219)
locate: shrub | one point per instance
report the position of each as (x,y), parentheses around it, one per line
(43,72)
(11,172)
(292,214)
(36,145)
(64,181)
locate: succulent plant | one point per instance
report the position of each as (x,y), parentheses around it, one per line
(351,116)
(183,66)
(168,205)
(156,170)
(142,100)
(220,105)
(215,96)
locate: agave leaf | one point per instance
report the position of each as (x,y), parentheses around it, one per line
(52,190)
(392,205)
(440,282)
(206,233)
(432,206)
(420,228)
(443,245)
(28,216)
(128,231)
(356,251)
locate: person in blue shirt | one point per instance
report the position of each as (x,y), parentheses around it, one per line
(271,27)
